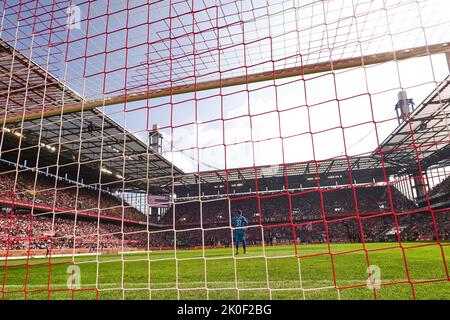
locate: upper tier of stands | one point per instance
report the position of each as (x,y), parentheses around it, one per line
(34,187)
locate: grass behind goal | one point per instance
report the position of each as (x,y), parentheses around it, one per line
(264,273)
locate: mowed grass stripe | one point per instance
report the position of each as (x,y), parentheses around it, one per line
(272,272)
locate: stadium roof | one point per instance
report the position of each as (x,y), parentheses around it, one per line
(89,142)
(425,135)
(25,86)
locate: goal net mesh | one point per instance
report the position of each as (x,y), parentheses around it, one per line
(133,132)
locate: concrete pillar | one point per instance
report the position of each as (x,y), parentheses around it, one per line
(447,55)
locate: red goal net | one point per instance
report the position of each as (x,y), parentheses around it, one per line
(179,149)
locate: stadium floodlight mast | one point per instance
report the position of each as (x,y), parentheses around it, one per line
(307,69)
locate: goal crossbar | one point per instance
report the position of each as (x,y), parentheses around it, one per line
(308,69)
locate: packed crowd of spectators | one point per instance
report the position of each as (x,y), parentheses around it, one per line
(373,213)
(384,228)
(25,231)
(338,215)
(39,188)
(295,207)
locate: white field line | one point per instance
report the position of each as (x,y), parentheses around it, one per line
(53,256)
(134,252)
(227,284)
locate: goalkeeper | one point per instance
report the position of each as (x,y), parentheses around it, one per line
(239,222)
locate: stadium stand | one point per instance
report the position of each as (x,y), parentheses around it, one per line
(39,188)
(147,126)
(377,222)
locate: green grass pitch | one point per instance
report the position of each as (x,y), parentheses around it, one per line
(263,273)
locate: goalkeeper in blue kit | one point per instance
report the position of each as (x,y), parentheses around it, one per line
(239,223)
